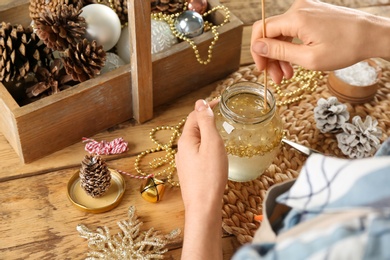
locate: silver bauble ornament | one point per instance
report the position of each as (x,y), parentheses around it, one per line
(103,25)
(113,62)
(123,45)
(190,24)
(162,36)
(199,6)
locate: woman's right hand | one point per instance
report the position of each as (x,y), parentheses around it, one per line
(330,37)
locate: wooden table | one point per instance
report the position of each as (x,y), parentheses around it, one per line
(37,221)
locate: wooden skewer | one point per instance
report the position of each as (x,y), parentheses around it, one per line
(265,69)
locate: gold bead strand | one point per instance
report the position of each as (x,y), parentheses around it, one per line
(307,81)
(168,158)
(170,19)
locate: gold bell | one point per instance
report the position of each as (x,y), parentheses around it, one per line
(152,189)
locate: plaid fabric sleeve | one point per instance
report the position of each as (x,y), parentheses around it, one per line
(340,209)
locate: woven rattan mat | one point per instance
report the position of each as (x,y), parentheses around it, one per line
(243,200)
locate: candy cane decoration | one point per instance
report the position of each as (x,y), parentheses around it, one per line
(116,146)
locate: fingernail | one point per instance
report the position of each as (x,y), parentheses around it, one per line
(201,105)
(260,48)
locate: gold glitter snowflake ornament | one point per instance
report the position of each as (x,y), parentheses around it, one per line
(131,243)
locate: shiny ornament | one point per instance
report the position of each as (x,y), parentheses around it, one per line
(103,25)
(162,36)
(113,62)
(152,190)
(190,24)
(171,20)
(199,6)
(123,46)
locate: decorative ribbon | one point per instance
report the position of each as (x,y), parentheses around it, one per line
(116,146)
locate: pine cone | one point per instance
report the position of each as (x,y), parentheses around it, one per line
(62,28)
(167,6)
(85,61)
(20,52)
(95,177)
(330,115)
(120,8)
(38,7)
(50,80)
(359,139)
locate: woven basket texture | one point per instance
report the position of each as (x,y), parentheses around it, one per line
(244,200)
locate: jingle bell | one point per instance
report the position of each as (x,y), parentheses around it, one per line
(190,24)
(152,190)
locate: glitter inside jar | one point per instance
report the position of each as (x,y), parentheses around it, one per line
(252,134)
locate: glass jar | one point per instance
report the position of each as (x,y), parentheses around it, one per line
(251,133)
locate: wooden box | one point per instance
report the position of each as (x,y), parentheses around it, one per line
(131,91)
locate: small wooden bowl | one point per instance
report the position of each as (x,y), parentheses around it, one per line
(351,93)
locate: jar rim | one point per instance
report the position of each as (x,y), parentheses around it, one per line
(247,87)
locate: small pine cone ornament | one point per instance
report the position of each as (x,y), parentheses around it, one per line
(20,52)
(37,7)
(330,115)
(167,6)
(95,177)
(359,139)
(62,28)
(85,61)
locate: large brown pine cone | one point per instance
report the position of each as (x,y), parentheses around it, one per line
(39,6)
(20,52)
(167,6)
(85,61)
(95,177)
(62,28)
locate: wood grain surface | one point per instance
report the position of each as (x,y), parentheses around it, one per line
(37,221)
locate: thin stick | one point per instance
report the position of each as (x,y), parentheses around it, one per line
(265,69)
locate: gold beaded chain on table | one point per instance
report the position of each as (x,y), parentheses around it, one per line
(307,81)
(168,159)
(171,18)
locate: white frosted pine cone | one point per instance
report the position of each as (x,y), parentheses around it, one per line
(359,139)
(330,115)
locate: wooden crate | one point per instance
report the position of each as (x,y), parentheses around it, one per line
(131,91)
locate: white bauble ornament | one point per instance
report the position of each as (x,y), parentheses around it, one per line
(103,25)
(123,45)
(162,36)
(113,62)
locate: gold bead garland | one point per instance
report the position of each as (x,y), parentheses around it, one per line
(168,159)
(307,81)
(171,18)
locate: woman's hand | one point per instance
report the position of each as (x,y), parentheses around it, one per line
(330,37)
(202,167)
